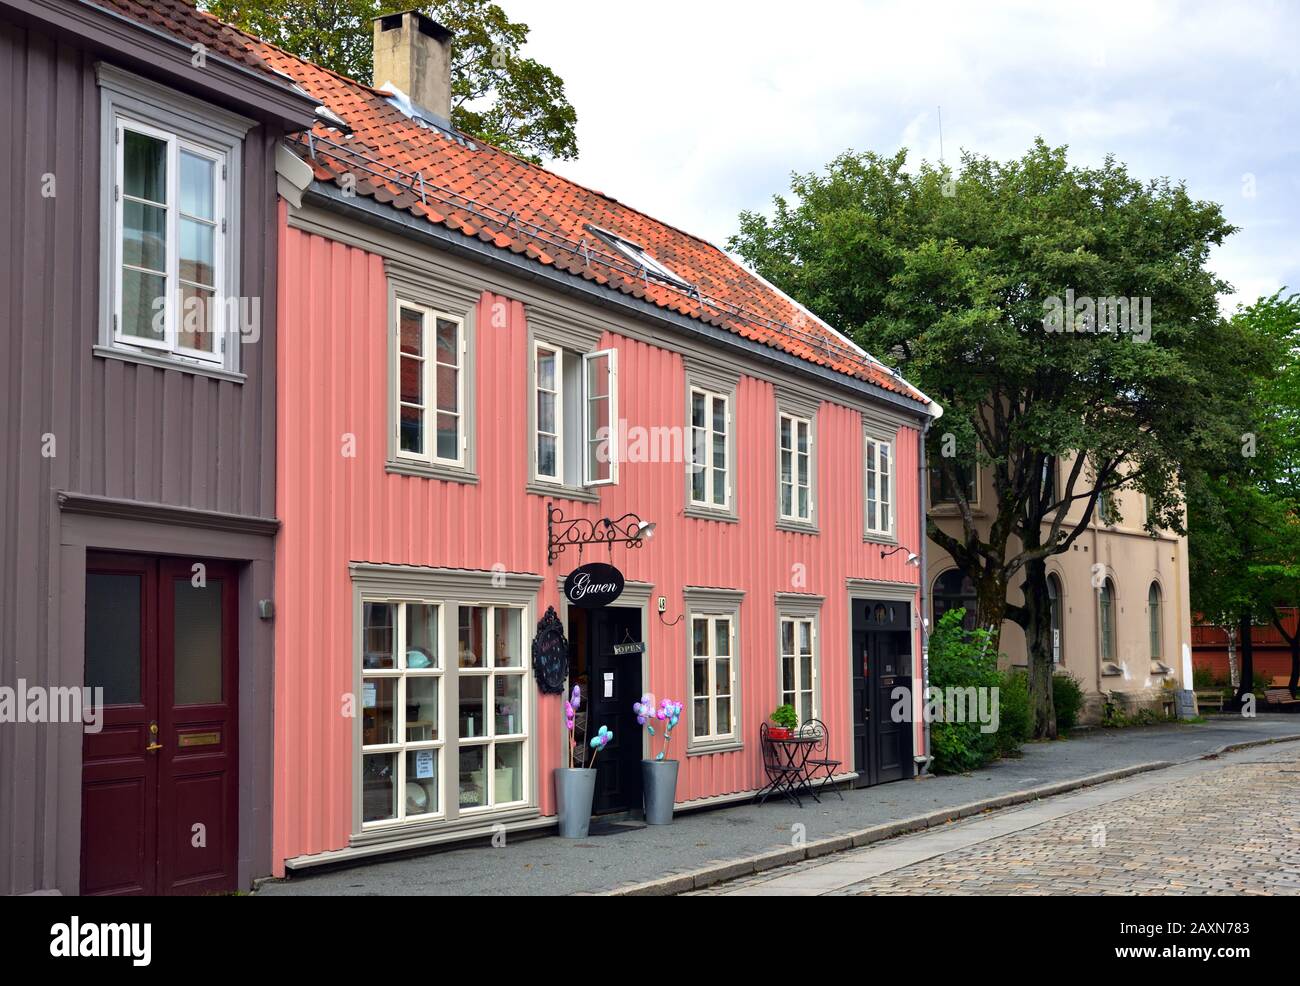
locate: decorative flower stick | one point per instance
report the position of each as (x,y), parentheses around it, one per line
(598,743)
(570,709)
(668,713)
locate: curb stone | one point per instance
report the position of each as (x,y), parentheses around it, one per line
(723,870)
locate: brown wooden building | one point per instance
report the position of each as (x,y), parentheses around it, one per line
(137,443)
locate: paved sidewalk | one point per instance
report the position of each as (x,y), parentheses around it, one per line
(1230,825)
(632,852)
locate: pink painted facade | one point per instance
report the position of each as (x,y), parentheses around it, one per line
(339,505)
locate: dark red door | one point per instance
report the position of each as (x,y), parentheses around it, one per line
(159,781)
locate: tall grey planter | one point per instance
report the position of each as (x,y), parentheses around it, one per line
(574,788)
(659,784)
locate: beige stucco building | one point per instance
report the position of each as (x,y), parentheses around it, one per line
(1122,617)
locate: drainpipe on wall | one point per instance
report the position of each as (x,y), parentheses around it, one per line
(924,759)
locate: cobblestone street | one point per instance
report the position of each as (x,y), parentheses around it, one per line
(1225,826)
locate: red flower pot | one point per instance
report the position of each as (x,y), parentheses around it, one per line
(778,733)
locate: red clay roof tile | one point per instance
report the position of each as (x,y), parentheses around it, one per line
(484,192)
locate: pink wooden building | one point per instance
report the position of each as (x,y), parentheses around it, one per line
(470,347)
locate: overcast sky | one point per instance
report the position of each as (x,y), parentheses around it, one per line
(694,111)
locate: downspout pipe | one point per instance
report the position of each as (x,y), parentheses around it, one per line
(924,760)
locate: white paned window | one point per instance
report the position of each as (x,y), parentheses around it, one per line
(171,286)
(490,723)
(713,677)
(600,417)
(798,665)
(880,487)
(710,465)
(548,389)
(402,732)
(575,411)
(795,464)
(429,386)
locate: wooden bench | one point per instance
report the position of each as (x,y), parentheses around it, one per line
(1280,696)
(1207,697)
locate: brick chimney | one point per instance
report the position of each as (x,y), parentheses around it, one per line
(413,52)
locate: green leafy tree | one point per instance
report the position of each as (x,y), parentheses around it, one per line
(948,277)
(499,96)
(1244,510)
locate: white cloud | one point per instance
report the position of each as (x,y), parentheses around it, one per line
(695,111)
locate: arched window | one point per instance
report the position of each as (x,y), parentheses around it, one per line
(1153,622)
(1106,614)
(1054,601)
(954,589)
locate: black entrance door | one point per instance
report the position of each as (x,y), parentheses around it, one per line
(881,661)
(613,684)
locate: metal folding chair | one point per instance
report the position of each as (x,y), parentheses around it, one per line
(819,758)
(782,775)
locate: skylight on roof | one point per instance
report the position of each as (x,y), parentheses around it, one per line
(638,255)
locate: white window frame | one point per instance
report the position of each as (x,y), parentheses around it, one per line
(800,687)
(711,621)
(429,356)
(403,744)
(449,589)
(172,280)
(489,740)
(557,353)
(883,524)
(710,435)
(182,123)
(611,440)
(795,421)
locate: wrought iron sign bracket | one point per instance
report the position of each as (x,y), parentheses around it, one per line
(563,532)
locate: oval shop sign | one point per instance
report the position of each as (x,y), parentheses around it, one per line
(593,586)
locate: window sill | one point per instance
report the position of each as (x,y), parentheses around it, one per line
(726,746)
(872,537)
(953,510)
(555,491)
(1109,670)
(424,470)
(697,512)
(168,363)
(797,526)
(1159,668)
(429,831)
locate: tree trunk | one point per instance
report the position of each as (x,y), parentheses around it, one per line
(1295,663)
(1233,677)
(991,608)
(1247,685)
(1038,644)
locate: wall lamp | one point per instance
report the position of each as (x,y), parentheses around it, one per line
(561,532)
(913,558)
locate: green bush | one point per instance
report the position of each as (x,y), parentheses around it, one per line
(960,658)
(1015,717)
(1067,699)
(1203,677)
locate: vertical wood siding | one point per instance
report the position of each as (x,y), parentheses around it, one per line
(121,430)
(336,510)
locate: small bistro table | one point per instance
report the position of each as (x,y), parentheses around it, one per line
(786,760)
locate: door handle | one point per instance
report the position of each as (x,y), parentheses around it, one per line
(153,738)
(153,746)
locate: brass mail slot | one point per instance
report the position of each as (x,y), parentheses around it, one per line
(199,739)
